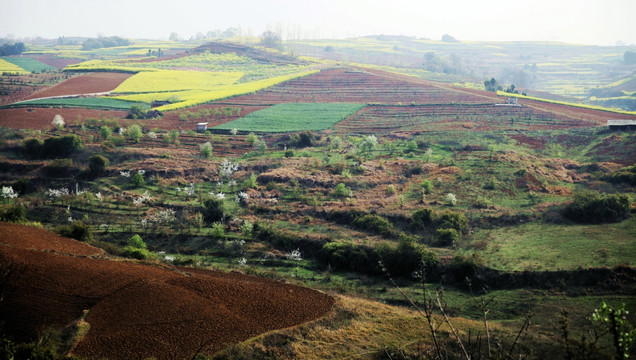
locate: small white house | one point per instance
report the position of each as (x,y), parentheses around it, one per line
(621,124)
(202,127)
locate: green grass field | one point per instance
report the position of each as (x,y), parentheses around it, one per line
(29,64)
(540,246)
(293,117)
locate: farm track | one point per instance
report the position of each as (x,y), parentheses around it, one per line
(171,313)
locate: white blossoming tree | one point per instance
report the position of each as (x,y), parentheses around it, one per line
(58,122)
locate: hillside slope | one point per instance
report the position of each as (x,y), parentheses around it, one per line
(137,310)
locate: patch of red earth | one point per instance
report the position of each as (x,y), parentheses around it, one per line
(138,311)
(41,118)
(171,120)
(532,142)
(91,83)
(599,117)
(55,61)
(358,86)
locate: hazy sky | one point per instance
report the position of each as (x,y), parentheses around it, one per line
(601,22)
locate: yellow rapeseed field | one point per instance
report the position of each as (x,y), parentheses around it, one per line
(7,67)
(176,80)
(223,92)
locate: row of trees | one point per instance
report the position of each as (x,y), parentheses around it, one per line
(104,42)
(12,49)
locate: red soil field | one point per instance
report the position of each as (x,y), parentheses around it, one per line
(41,118)
(138,310)
(96,82)
(360,86)
(55,61)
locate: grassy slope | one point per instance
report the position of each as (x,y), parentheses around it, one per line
(540,246)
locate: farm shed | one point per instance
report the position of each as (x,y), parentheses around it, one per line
(621,124)
(202,127)
(511,101)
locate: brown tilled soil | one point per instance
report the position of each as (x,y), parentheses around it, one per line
(41,118)
(138,310)
(96,82)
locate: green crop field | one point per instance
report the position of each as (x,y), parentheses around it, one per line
(10,68)
(29,64)
(294,117)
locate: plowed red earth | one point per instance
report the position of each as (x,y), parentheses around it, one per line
(41,118)
(96,82)
(137,310)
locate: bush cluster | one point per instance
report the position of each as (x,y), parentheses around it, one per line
(77,230)
(398,260)
(136,248)
(13,213)
(53,147)
(287,241)
(375,224)
(302,140)
(625,175)
(213,210)
(446,226)
(592,208)
(59,168)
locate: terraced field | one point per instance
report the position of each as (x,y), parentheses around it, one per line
(356,85)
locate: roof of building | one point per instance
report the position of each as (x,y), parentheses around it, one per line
(621,122)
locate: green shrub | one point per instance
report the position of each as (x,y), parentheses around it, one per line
(134,132)
(251,139)
(451,220)
(446,237)
(76,230)
(481,203)
(592,207)
(33,147)
(137,180)
(289,153)
(348,256)
(206,150)
(59,168)
(136,242)
(136,253)
(341,191)
(218,229)
(251,182)
(302,140)
(97,164)
(427,186)
(61,146)
(421,219)
(213,210)
(118,141)
(624,175)
(105,132)
(405,258)
(13,213)
(375,224)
